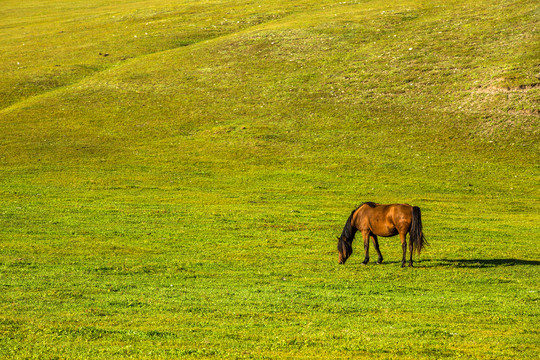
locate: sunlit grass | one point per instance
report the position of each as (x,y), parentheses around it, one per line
(173,177)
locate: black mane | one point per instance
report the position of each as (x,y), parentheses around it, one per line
(349,231)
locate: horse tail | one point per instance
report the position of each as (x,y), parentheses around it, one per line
(417,236)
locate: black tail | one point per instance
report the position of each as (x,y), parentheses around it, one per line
(417,236)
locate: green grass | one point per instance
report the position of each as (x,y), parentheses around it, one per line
(173,177)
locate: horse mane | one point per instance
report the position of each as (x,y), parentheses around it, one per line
(349,231)
(347,236)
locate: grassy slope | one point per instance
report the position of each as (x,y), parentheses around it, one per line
(180,195)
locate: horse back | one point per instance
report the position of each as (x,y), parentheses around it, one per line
(401,216)
(383,220)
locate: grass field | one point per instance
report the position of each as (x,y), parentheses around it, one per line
(173,176)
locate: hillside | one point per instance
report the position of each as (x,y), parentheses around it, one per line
(176,174)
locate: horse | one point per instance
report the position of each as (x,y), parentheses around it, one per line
(374,220)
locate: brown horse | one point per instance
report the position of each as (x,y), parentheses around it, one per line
(374,220)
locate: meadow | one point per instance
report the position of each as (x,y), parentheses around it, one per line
(173,176)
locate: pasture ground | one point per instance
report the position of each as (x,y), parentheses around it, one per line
(173,177)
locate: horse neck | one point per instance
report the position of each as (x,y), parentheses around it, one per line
(349,230)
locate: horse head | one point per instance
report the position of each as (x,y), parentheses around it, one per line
(344,249)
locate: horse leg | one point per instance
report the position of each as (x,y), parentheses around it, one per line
(365,236)
(403,238)
(376,245)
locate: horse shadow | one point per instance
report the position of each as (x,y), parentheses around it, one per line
(478,263)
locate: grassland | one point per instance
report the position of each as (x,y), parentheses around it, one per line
(173,177)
